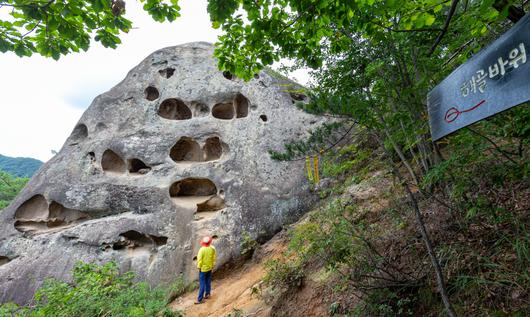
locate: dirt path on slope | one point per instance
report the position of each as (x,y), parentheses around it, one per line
(234,290)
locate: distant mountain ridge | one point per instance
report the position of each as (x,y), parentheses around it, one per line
(19,166)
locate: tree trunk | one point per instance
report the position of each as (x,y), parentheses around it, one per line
(428,244)
(425,236)
(514,13)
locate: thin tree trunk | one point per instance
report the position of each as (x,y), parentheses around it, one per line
(435,263)
(425,236)
(402,157)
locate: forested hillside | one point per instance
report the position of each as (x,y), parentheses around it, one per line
(19,166)
(9,187)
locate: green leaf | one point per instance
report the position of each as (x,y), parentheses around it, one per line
(429,19)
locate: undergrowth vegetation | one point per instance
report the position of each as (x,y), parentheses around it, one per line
(97,291)
(449,233)
(366,238)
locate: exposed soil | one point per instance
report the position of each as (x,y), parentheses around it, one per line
(232,289)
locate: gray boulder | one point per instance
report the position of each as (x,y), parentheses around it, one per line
(175,151)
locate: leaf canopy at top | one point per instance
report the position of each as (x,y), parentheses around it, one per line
(53,28)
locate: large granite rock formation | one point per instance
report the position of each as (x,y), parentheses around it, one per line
(175,151)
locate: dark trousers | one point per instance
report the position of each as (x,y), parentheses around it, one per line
(205,284)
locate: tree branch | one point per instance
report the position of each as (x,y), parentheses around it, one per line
(415,30)
(504,153)
(452,11)
(32,29)
(457,51)
(406,31)
(331,146)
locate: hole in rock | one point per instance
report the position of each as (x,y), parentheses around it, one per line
(35,216)
(119,245)
(133,239)
(60,216)
(256,76)
(80,132)
(101,126)
(89,163)
(298,97)
(136,238)
(91,156)
(174,109)
(159,241)
(186,149)
(212,204)
(212,149)
(167,72)
(136,166)
(241,104)
(31,226)
(263,118)
(199,194)
(112,162)
(4,260)
(223,111)
(193,187)
(34,209)
(151,93)
(228,75)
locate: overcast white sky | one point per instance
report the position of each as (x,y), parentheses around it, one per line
(41,100)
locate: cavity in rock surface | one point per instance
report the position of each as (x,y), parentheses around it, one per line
(151,93)
(112,162)
(174,109)
(80,133)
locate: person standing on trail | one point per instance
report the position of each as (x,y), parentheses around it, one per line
(205,263)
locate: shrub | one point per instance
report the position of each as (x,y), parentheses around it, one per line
(280,274)
(235,313)
(248,245)
(178,288)
(95,291)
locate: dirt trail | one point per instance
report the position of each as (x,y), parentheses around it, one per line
(234,290)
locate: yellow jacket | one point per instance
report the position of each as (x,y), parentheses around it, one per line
(206,258)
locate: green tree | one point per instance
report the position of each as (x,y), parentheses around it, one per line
(9,188)
(271,29)
(56,27)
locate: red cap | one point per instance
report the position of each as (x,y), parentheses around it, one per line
(206,241)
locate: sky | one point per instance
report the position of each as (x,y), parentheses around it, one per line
(41,100)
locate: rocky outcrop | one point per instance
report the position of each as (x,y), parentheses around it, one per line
(175,151)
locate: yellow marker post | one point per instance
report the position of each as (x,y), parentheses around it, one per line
(308,167)
(315,169)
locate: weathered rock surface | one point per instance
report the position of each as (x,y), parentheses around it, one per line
(175,151)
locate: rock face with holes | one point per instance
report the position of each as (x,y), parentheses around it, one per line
(175,151)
